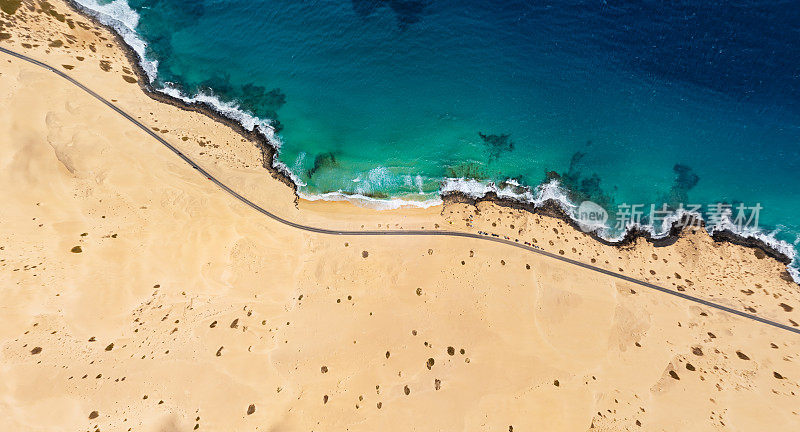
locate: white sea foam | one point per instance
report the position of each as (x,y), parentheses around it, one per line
(769,238)
(373,203)
(247,120)
(510,189)
(552,191)
(124,20)
(231,110)
(119,16)
(376,180)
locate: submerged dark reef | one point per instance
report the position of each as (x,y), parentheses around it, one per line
(407,12)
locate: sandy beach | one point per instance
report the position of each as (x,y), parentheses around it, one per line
(136,295)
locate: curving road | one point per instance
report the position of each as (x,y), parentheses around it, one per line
(394,233)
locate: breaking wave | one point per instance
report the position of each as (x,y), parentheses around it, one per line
(118,15)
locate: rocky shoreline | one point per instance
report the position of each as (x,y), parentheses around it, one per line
(549,208)
(268,151)
(552,209)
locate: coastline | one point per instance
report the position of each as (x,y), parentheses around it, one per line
(550,207)
(138,295)
(554,209)
(268,150)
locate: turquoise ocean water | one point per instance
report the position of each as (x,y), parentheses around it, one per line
(688,102)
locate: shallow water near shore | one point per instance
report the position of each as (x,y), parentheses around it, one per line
(692,104)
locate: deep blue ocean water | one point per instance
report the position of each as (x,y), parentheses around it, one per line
(646,102)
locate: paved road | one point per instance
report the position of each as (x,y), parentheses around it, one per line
(431,233)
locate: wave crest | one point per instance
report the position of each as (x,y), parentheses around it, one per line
(119,16)
(123,19)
